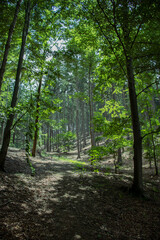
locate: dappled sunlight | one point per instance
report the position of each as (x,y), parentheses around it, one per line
(62,199)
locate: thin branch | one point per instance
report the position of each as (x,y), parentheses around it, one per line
(104,13)
(111,47)
(156,131)
(136,35)
(145,70)
(115,27)
(18,119)
(157,54)
(146,88)
(151,43)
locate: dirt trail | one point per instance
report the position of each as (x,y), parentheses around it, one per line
(61,203)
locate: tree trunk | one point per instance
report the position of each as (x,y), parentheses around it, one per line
(77,114)
(7,131)
(137,181)
(37,118)
(2,130)
(77,132)
(7,46)
(153,143)
(48,138)
(83,125)
(119,160)
(92,134)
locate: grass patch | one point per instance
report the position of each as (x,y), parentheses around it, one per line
(78,164)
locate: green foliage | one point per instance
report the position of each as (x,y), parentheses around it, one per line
(98,152)
(65,140)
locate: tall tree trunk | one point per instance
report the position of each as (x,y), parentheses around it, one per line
(37,117)
(77,132)
(7,46)
(119,159)
(51,139)
(2,130)
(7,131)
(153,143)
(77,122)
(87,120)
(137,186)
(69,117)
(48,138)
(83,125)
(92,134)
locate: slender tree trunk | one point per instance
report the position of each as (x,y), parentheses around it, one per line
(119,160)
(14,136)
(48,138)
(77,133)
(37,117)
(51,138)
(137,181)
(69,118)
(7,46)
(2,130)
(93,142)
(77,124)
(153,143)
(7,131)
(83,125)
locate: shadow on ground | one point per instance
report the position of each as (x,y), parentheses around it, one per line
(59,203)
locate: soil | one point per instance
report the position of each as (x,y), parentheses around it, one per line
(65,200)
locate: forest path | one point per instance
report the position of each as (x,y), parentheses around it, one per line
(61,203)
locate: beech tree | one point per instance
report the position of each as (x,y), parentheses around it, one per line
(120,23)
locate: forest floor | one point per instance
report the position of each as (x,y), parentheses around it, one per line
(67,199)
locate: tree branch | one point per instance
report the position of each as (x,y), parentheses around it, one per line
(146,88)
(136,35)
(156,131)
(110,44)
(104,13)
(115,27)
(18,120)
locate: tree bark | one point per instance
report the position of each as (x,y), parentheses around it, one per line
(2,130)
(48,137)
(119,160)
(77,132)
(37,118)
(153,143)
(92,134)
(83,125)
(7,131)
(7,46)
(137,186)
